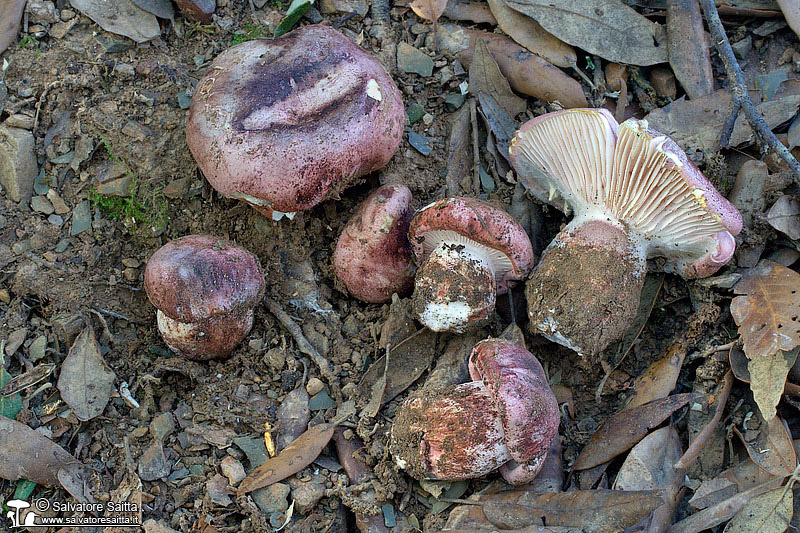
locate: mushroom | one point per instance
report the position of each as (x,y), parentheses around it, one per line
(468,252)
(205,289)
(373,257)
(284,124)
(635,196)
(506,418)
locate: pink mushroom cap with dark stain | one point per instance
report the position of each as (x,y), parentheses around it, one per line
(506,418)
(205,289)
(284,124)
(373,257)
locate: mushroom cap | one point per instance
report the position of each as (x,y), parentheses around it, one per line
(527,407)
(582,160)
(473,222)
(196,277)
(284,124)
(372,256)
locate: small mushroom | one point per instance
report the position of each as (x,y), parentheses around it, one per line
(635,196)
(373,257)
(506,418)
(468,252)
(284,124)
(205,289)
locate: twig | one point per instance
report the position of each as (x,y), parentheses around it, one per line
(741,99)
(476,155)
(303,345)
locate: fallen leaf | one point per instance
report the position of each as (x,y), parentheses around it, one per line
(696,124)
(477,12)
(767,379)
(291,460)
(526,72)
(617,434)
(770,512)
(650,464)
(485,76)
(688,48)
(607,28)
(86,380)
(76,481)
(217,490)
(292,417)
(500,122)
(772,449)
(10,402)
(768,315)
(121,17)
(429,9)
(744,476)
(530,34)
(296,10)
(784,216)
(660,377)
(25,454)
(793,135)
(791,12)
(595,511)
(26,379)
(10,17)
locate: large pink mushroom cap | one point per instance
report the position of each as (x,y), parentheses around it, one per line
(468,252)
(635,196)
(205,289)
(373,257)
(284,124)
(506,418)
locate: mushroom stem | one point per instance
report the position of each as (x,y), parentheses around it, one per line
(454,288)
(585,291)
(206,339)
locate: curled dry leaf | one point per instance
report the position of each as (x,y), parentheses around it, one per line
(291,460)
(768,315)
(770,512)
(772,449)
(27,379)
(485,76)
(25,454)
(594,511)
(734,480)
(429,9)
(477,12)
(617,434)
(607,28)
(784,216)
(791,12)
(86,380)
(293,416)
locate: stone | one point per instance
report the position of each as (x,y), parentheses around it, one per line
(314,386)
(131,262)
(184,100)
(197,10)
(748,190)
(40,204)
(18,166)
(156,526)
(321,401)
(663,81)
(272,499)
(56,220)
(81,218)
(232,469)
(112,178)
(162,426)
(59,206)
(275,358)
(410,59)
(420,143)
(613,73)
(217,490)
(359,7)
(414,112)
(306,494)
(254,449)
(38,348)
(42,12)
(742,47)
(136,131)
(177,188)
(153,463)
(130,274)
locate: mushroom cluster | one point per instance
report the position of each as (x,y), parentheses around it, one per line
(635,196)
(505,418)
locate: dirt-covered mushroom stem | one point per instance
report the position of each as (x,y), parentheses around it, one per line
(506,418)
(205,289)
(635,196)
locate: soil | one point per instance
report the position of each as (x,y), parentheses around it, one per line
(121,108)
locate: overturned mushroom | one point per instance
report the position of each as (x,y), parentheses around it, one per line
(284,124)
(205,289)
(635,196)
(373,257)
(467,252)
(506,418)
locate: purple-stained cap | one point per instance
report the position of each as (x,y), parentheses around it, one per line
(284,124)
(580,160)
(196,277)
(475,223)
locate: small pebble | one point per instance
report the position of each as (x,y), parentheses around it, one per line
(131,262)
(5,296)
(314,386)
(130,274)
(233,470)
(56,220)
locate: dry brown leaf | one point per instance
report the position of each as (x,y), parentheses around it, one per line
(429,9)
(772,449)
(617,434)
(594,511)
(291,460)
(25,454)
(767,379)
(688,48)
(86,380)
(732,481)
(768,315)
(292,417)
(527,73)
(660,377)
(650,465)
(485,76)
(530,34)
(27,379)
(477,12)
(784,216)
(770,512)
(607,28)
